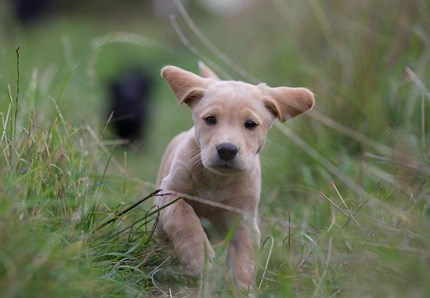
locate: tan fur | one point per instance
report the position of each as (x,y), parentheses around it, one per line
(192,165)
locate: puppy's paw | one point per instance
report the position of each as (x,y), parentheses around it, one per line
(194,267)
(194,252)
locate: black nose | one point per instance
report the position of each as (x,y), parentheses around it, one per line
(226,151)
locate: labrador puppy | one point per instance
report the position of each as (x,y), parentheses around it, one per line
(217,160)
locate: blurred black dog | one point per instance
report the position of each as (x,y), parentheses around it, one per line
(28,11)
(130,105)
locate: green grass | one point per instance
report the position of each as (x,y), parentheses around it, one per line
(345,208)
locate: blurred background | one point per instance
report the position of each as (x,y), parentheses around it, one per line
(353,56)
(366,61)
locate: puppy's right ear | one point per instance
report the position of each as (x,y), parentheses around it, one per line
(188,87)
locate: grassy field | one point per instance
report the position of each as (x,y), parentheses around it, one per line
(345,207)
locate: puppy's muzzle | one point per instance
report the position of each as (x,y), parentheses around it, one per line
(226,151)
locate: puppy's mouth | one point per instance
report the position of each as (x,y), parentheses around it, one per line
(225,168)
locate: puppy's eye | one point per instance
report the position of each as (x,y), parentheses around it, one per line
(249,124)
(210,120)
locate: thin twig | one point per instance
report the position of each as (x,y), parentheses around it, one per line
(347,213)
(350,132)
(17,95)
(179,196)
(146,216)
(423,122)
(153,272)
(193,49)
(268,258)
(128,209)
(289,228)
(346,206)
(213,204)
(209,45)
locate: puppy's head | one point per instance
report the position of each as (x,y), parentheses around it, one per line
(232,118)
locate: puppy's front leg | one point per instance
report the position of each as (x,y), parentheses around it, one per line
(241,254)
(185,232)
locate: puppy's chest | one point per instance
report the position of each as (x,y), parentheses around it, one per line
(214,190)
(214,194)
(225,191)
(210,195)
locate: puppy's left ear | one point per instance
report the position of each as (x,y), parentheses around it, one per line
(188,87)
(285,102)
